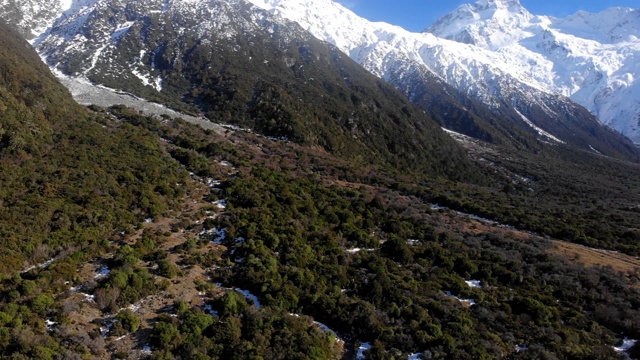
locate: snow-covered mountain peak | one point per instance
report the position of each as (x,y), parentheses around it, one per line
(332,22)
(610,26)
(498,4)
(589,57)
(488,23)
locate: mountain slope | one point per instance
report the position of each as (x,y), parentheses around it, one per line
(68,178)
(32,17)
(237,64)
(591,58)
(237,270)
(403,59)
(453,83)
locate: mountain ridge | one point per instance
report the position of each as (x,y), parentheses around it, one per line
(589,58)
(386,50)
(146,237)
(291,86)
(432,72)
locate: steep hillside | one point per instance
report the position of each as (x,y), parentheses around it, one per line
(237,65)
(519,102)
(465,88)
(69,178)
(272,249)
(32,17)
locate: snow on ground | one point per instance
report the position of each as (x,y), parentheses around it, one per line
(474,283)
(213,183)
(361,349)
(106,328)
(220,235)
(468,302)
(458,136)
(121,31)
(539,130)
(627,344)
(250,296)
(357,250)
(327,329)
(102,272)
(594,150)
(209,309)
(221,204)
(50,325)
(135,307)
(43,265)
(437,207)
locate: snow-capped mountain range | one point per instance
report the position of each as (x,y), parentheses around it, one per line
(492,48)
(519,65)
(591,58)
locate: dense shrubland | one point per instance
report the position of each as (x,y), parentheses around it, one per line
(313,236)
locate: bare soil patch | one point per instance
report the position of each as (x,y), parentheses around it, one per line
(595,257)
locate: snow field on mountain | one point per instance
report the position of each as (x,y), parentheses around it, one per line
(493,46)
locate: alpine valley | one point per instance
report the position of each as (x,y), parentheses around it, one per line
(282,179)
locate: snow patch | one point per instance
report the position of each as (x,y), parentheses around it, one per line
(361,350)
(209,309)
(474,283)
(218,235)
(468,302)
(357,250)
(121,31)
(539,130)
(221,204)
(626,345)
(107,326)
(213,183)
(148,80)
(43,265)
(328,330)
(250,296)
(50,325)
(102,272)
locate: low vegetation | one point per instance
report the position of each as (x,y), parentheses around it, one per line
(126,236)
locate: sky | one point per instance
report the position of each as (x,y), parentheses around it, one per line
(415,15)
